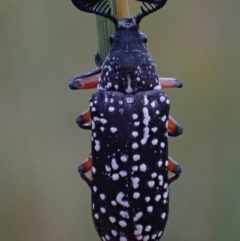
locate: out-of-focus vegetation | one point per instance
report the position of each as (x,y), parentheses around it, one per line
(43,44)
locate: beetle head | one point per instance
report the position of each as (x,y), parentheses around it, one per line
(102,8)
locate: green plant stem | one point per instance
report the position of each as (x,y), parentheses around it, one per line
(106,28)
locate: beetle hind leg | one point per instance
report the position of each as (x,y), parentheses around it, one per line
(175,168)
(85,167)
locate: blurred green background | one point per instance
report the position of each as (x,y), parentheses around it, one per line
(43,44)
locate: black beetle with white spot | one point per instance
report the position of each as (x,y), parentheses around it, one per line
(130,124)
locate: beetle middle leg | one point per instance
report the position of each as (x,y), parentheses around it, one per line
(174,129)
(83,121)
(85,167)
(175,168)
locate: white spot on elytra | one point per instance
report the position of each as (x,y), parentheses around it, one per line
(150,209)
(153,175)
(111,108)
(103,121)
(93,170)
(134,116)
(114,232)
(102,196)
(147,199)
(146,116)
(160,178)
(123,238)
(164,118)
(135,182)
(154,236)
(151,184)
(136,195)
(154,129)
(163,215)
(159,234)
(114,164)
(107,168)
(123,173)
(112,219)
(146,238)
(123,158)
(162,98)
(103,210)
(124,214)
(165,195)
(135,168)
(97,145)
(145,100)
(155,141)
(140,237)
(134,134)
(153,104)
(96,216)
(137,216)
(158,197)
(136,123)
(160,163)
(166,163)
(162,144)
(113,129)
(143,167)
(145,122)
(167,101)
(136,157)
(135,145)
(115,177)
(148,228)
(113,203)
(122,223)
(119,198)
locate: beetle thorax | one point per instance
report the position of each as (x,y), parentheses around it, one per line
(129,68)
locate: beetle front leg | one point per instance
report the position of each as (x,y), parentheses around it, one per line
(85,167)
(170,83)
(174,129)
(82,81)
(83,121)
(175,168)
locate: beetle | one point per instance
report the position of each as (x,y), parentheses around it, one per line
(129,121)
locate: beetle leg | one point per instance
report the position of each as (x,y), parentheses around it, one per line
(174,129)
(175,168)
(82,81)
(83,121)
(170,83)
(85,167)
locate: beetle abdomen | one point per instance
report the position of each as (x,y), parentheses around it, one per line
(129,173)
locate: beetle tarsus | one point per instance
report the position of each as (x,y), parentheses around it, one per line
(82,172)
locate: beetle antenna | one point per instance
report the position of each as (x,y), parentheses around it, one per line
(150,6)
(98,7)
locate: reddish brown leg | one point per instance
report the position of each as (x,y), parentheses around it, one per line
(83,121)
(175,168)
(85,167)
(84,83)
(174,129)
(170,83)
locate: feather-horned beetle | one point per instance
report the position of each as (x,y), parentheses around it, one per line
(130,123)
